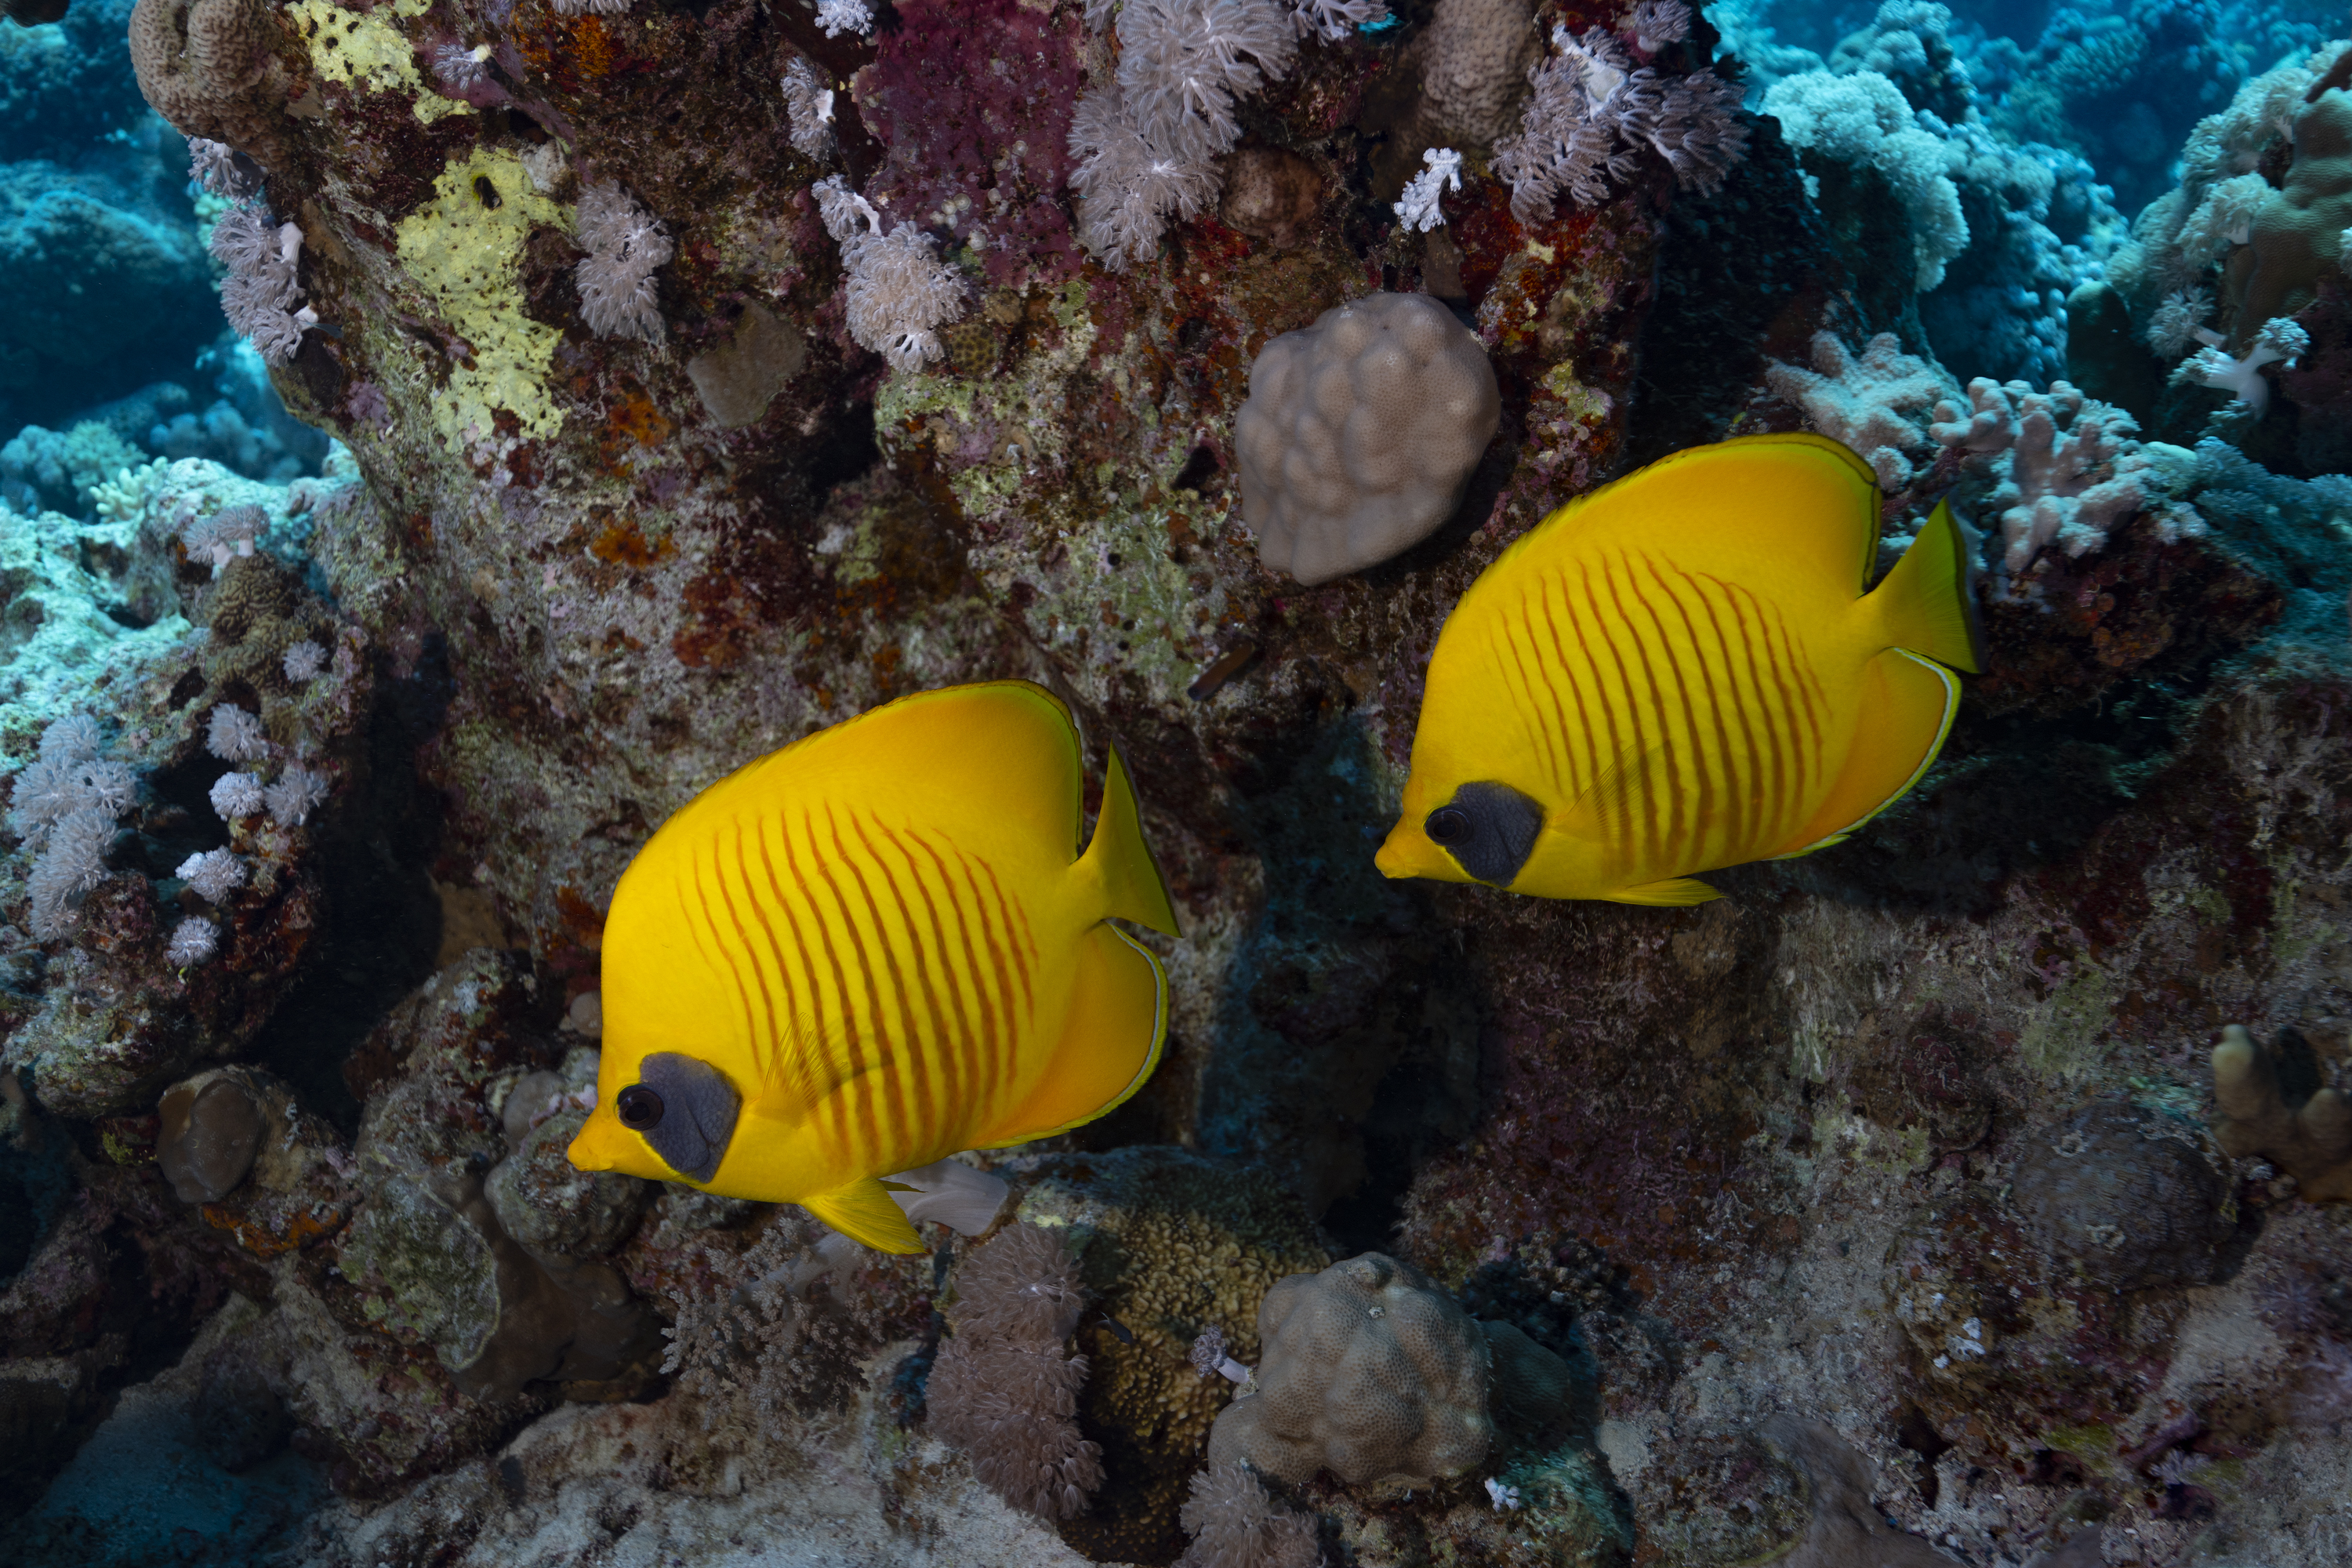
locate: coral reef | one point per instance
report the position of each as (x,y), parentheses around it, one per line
(699,376)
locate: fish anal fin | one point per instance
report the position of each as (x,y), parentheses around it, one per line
(1907,703)
(863,1212)
(1118,1022)
(1675,892)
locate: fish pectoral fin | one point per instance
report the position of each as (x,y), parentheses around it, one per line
(1907,704)
(1118,1022)
(1613,801)
(799,1070)
(863,1212)
(1672,893)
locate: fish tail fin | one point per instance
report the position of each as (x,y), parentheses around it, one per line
(1929,602)
(1120,861)
(863,1212)
(1907,704)
(1119,1021)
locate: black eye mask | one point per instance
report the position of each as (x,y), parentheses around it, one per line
(1489,830)
(685,1108)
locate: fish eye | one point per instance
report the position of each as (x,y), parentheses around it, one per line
(640,1108)
(1447,825)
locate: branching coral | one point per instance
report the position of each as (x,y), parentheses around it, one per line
(2065,469)
(66,803)
(1233,1524)
(897,292)
(1005,1386)
(1874,402)
(1594,111)
(2312,1141)
(624,244)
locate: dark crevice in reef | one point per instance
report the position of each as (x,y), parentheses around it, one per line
(2009,794)
(383,920)
(1349,1042)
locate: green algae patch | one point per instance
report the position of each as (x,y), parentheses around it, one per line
(2060,1039)
(364,50)
(467,257)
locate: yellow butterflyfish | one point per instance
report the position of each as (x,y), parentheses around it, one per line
(1683,671)
(873,948)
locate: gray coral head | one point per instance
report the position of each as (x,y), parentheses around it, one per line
(1362,433)
(1370,1372)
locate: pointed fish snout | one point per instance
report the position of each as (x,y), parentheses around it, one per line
(597,1146)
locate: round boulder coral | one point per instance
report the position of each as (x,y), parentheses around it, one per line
(1370,1372)
(2133,1196)
(1360,434)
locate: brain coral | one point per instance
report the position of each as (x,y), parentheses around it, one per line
(1360,434)
(1370,1372)
(210,67)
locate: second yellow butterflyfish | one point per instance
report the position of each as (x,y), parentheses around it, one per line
(1683,671)
(873,948)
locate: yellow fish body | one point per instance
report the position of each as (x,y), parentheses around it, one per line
(1682,671)
(873,948)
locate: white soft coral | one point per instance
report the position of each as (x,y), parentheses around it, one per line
(897,292)
(625,244)
(1594,111)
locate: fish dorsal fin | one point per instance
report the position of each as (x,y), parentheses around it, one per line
(1799,507)
(1613,799)
(863,1212)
